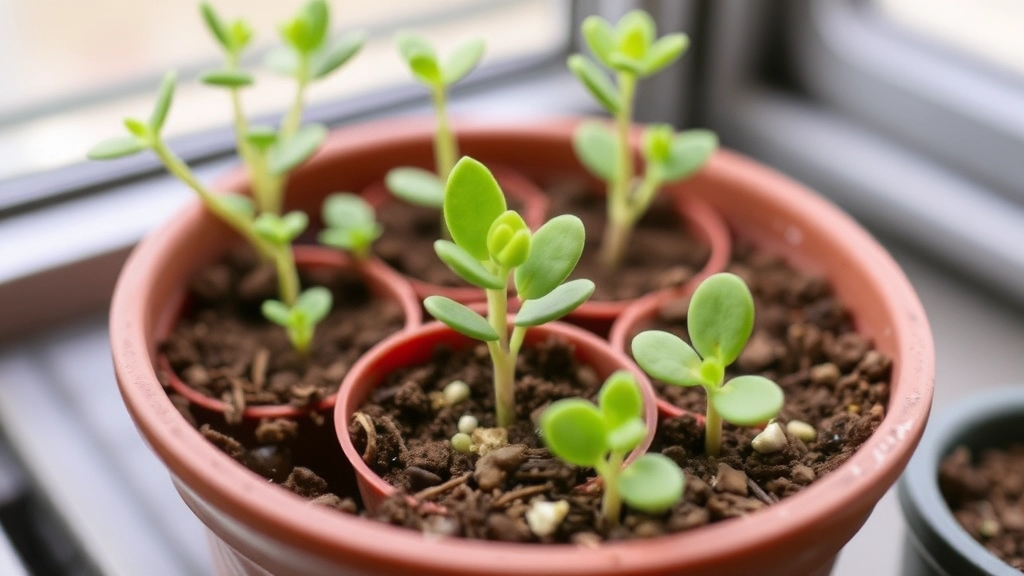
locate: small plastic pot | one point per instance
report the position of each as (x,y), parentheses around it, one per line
(417,346)
(382,281)
(533,208)
(936,544)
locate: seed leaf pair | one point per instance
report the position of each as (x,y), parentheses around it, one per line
(300,319)
(425,65)
(350,224)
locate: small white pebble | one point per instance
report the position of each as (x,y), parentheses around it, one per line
(468,423)
(801,430)
(544,517)
(771,439)
(455,392)
(462,442)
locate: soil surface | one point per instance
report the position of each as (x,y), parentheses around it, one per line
(662,253)
(986,495)
(224,348)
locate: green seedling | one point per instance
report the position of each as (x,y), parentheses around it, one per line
(350,224)
(415,185)
(491,246)
(630,52)
(301,318)
(600,437)
(720,321)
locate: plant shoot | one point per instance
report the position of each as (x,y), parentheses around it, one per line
(349,225)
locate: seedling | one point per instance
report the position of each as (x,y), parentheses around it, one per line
(491,246)
(350,225)
(720,321)
(300,319)
(415,185)
(601,436)
(630,52)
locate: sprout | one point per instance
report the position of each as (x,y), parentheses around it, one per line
(301,318)
(601,436)
(720,321)
(631,52)
(491,246)
(415,185)
(350,224)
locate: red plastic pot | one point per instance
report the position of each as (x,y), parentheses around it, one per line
(261,529)
(382,282)
(534,209)
(416,347)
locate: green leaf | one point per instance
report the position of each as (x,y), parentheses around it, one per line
(472,201)
(261,137)
(410,44)
(294,223)
(416,186)
(598,149)
(657,143)
(620,399)
(116,148)
(747,400)
(623,63)
(347,211)
(286,155)
(337,54)
(555,304)
(283,60)
(277,312)
(317,15)
(721,317)
(653,483)
(600,38)
(270,227)
(240,33)
(215,25)
(509,240)
(237,204)
(465,266)
(690,150)
(596,82)
(663,52)
(634,34)
(138,128)
(574,430)
(462,61)
(554,252)
(460,318)
(314,303)
(356,239)
(227,78)
(426,69)
(666,357)
(627,436)
(163,102)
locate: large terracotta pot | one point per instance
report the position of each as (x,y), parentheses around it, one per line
(261,529)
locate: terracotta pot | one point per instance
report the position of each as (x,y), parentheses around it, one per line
(416,347)
(267,530)
(533,208)
(936,544)
(382,282)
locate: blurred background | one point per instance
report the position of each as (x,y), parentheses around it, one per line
(907,113)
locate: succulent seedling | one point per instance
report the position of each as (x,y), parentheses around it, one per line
(301,318)
(350,224)
(415,185)
(631,52)
(600,437)
(491,245)
(720,321)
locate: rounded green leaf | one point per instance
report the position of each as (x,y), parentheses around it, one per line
(276,312)
(747,400)
(508,240)
(337,53)
(472,201)
(240,33)
(634,34)
(721,317)
(465,266)
(215,25)
(595,81)
(653,483)
(227,78)
(116,148)
(663,52)
(690,150)
(138,128)
(314,303)
(342,210)
(294,223)
(355,240)
(598,149)
(554,252)
(416,186)
(163,101)
(555,304)
(463,60)
(270,227)
(426,69)
(574,430)
(620,399)
(285,155)
(460,318)
(667,357)
(627,436)
(316,13)
(600,38)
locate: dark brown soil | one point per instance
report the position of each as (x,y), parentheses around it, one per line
(986,496)
(662,253)
(224,348)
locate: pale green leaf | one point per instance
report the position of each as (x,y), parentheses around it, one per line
(627,435)
(237,204)
(346,211)
(460,318)
(472,201)
(555,249)
(465,266)
(600,38)
(227,78)
(721,317)
(285,155)
(277,312)
(598,149)
(653,483)
(574,430)
(667,357)
(689,152)
(599,85)
(462,61)
(215,25)
(416,186)
(634,34)
(555,304)
(336,54)
(116,148)
(163,102)
(664,52)
(314,303)
(620,399)
(747,400)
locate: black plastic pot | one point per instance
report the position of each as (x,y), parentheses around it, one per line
(935,544)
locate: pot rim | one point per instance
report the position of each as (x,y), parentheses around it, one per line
(930,522)
(359,542)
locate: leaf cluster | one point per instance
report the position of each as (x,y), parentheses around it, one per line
(349,224)
(300,319)
(670,156)
(429,69)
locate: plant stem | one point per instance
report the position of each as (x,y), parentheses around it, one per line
(712,430)
(644,193)
(502,357)
(274,187)
(615,237)
(611,502)
(446,149)
(617,231)
(251,158)
(287,275)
